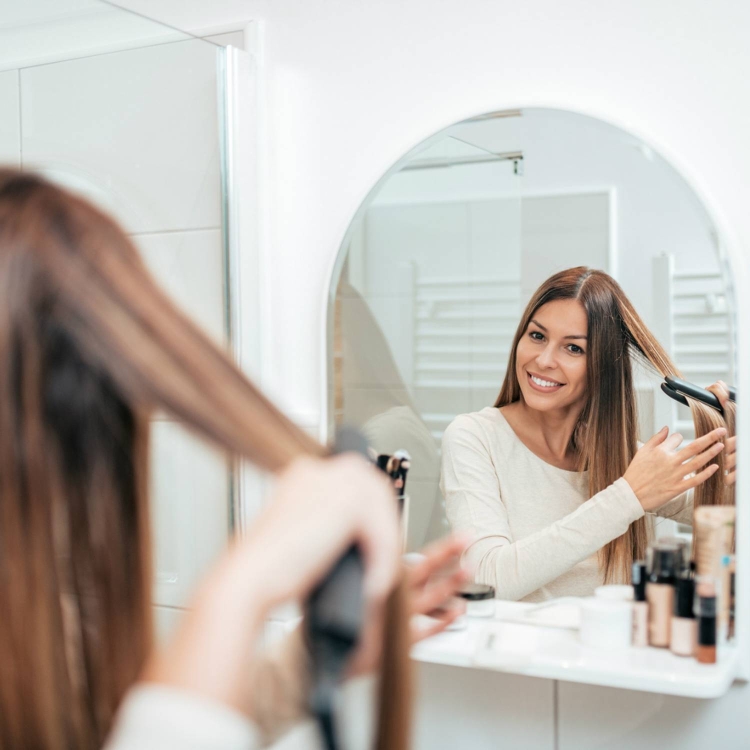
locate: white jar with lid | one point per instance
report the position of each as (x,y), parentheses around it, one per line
(479,598)
(606,623)
(614,592)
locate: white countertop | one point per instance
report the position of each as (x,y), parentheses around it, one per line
(502,643)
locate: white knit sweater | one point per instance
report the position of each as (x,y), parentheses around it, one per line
(536,532)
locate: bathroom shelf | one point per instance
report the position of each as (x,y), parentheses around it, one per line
(503,644)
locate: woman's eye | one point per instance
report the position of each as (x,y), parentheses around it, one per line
(537,336)
(576,349)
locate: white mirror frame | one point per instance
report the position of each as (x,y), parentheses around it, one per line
(741,274)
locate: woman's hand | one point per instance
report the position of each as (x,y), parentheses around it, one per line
(721,390)
(433,582)
(318,509)
(659,472)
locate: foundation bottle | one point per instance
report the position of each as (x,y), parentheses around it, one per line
(682,556)
(731,605)
(640,606)
(705,610)
(684,631)
(660,591)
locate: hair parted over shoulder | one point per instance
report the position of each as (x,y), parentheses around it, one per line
(90,346)
(606,437)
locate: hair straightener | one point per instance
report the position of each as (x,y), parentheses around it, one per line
(678,390)
(334,611)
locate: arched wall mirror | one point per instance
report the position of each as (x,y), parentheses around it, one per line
(443,256)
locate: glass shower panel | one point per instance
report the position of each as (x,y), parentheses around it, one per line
(128,112)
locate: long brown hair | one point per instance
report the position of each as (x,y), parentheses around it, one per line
(606,436)
(90,346)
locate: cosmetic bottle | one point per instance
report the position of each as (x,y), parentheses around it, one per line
(640,606)
(660,594)
(705,611)
(684,632)
(730,633)
(480,599)
(725,599)
(682,564)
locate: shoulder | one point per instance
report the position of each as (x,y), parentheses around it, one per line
(478,428)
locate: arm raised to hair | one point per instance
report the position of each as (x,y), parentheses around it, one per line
(680,509)
(518,567)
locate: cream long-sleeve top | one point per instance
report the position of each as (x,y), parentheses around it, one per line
(156,717)
(536,531)
(160,717)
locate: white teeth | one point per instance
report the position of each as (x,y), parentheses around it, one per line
(544,383)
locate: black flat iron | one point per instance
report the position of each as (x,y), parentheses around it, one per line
(334,611)
(680,390)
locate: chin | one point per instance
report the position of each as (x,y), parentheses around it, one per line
(540,403)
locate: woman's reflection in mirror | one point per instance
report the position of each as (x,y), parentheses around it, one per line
(551,481)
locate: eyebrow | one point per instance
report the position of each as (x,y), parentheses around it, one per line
(536,323)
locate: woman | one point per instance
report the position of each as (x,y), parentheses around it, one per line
(550,481)
(90,347)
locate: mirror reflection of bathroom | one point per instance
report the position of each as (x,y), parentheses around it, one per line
(441,261)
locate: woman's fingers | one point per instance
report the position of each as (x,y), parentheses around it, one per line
(437,625)
(721,390)
(699,478)
(673,442)
(701,444)
(434,595)
(697,462)
(442,555)
(730,459)
(658,438)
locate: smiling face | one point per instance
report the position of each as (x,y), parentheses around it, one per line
(551,356)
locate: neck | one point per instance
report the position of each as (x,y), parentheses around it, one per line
(555,427)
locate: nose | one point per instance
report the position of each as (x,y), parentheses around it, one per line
(546,358)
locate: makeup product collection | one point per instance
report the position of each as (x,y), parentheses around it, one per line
(675,602)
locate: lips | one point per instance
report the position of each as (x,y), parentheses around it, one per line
(543,385)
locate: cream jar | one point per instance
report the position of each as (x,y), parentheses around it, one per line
(479,598)
(614,592)
(606,623)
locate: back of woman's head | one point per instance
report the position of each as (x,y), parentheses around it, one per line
(89,347)
(606,437)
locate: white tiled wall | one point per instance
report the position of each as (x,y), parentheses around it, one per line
(189,491)
(166,619)
(137,131)
(10,132)
(596,718)
(138,127)
(487,710)
(190,265)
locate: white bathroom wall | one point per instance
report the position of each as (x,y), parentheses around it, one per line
(137,131)
(10,130)
(353,86)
